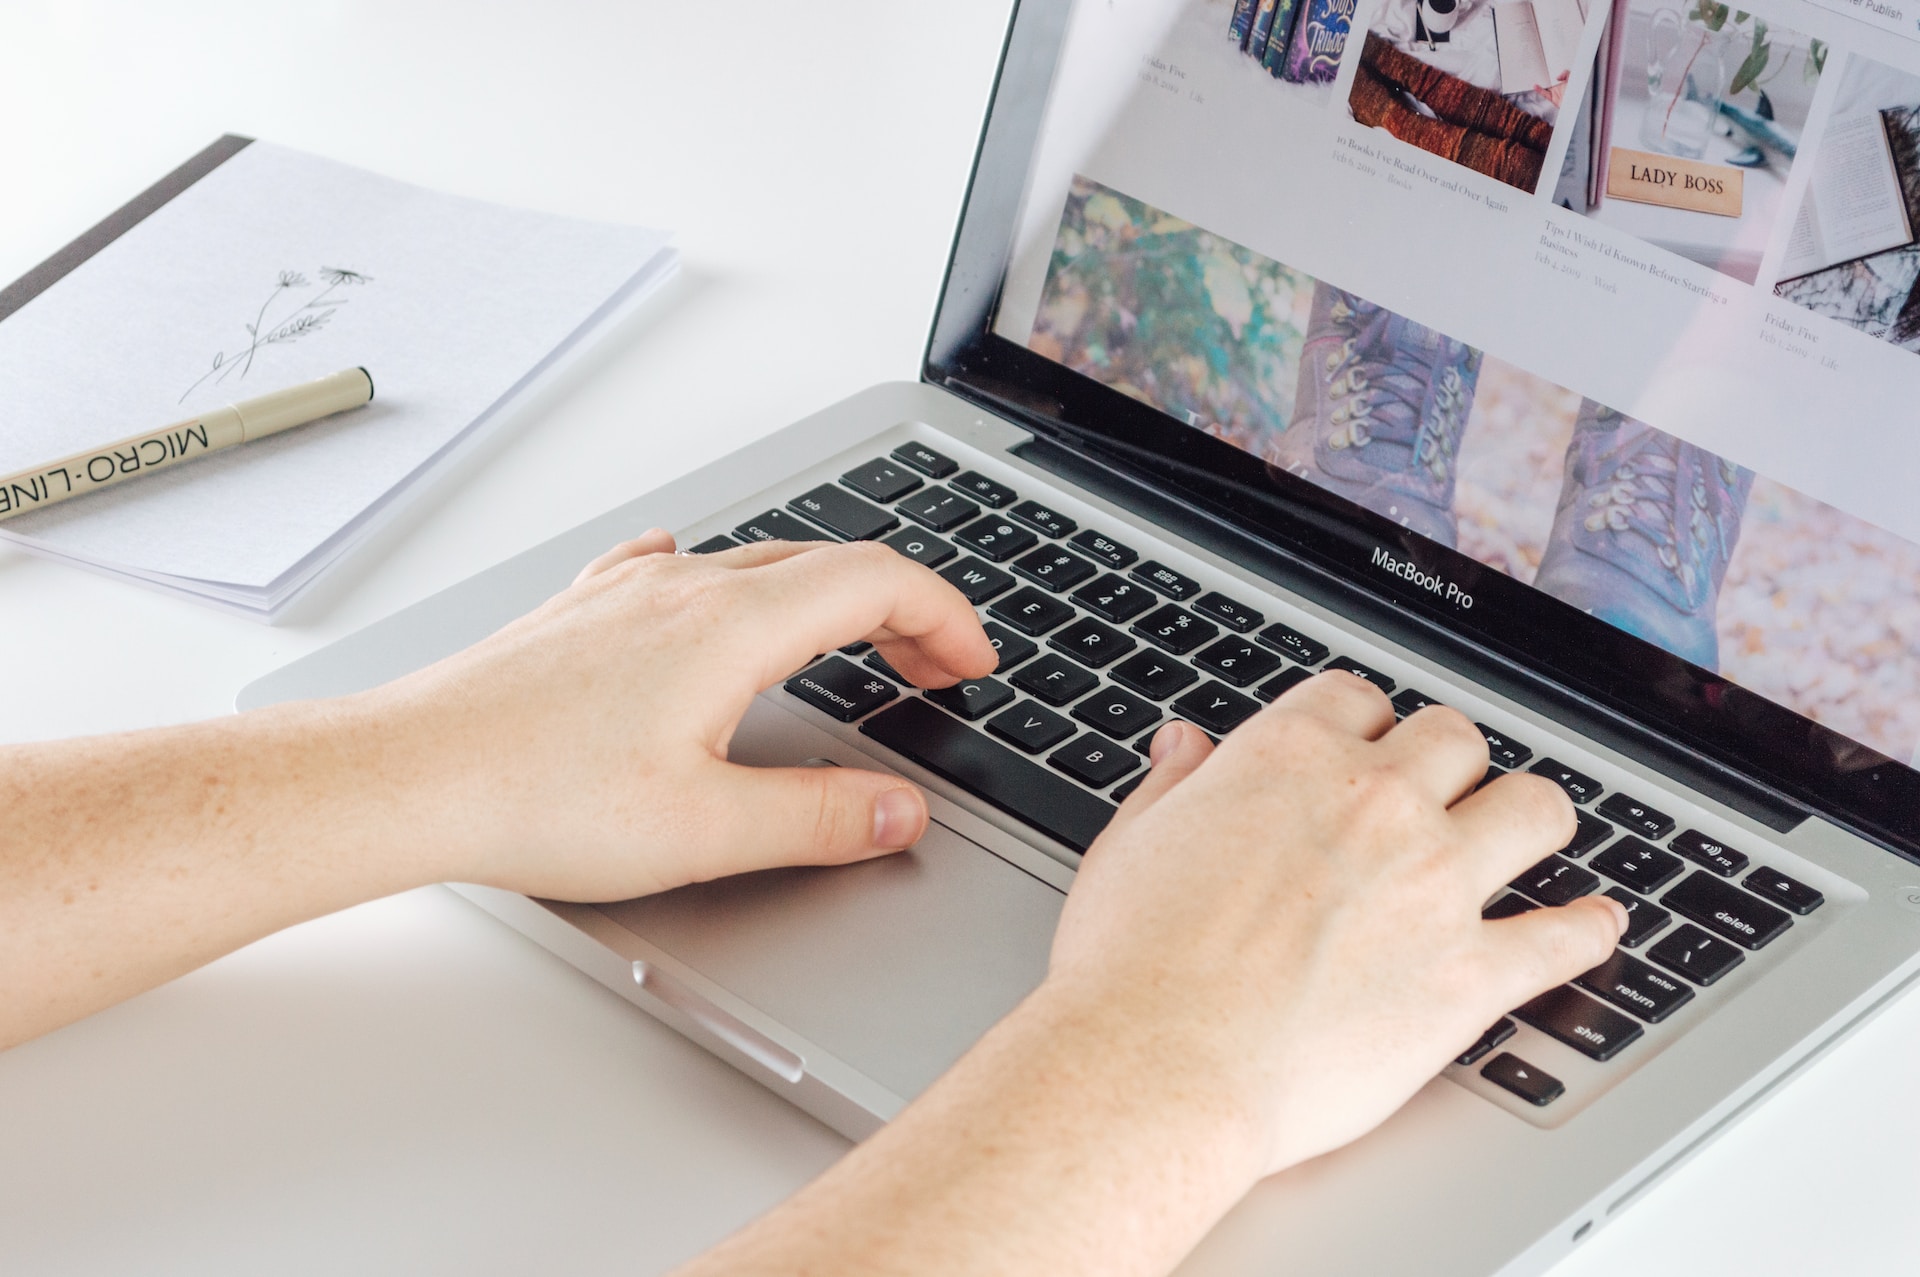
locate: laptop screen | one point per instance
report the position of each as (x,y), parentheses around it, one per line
(1608,303)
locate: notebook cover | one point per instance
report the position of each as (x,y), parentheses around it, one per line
(118,223)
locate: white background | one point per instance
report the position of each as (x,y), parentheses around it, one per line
(408,1087)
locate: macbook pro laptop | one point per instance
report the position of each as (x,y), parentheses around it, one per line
(1282,337)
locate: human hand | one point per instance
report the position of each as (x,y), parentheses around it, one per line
(581,752)
(1295,915)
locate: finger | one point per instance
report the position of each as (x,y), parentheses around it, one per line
(1441,750)
(1177,749)
(1534,951)
(761,817)
(652,541)
(1345,700)
(817,601)
(759,553)
(1510,825)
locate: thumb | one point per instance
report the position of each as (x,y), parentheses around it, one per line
(769,816)
(1178,748)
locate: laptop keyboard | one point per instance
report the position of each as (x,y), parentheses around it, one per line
(1099,647)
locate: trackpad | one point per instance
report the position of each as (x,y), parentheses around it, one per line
(895,965)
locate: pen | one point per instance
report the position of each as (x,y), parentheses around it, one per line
(102,467)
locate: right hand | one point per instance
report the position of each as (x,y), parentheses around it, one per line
(1298,912)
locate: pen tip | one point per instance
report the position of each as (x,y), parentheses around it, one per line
(369,377)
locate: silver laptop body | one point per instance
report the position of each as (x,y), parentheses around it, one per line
(848,990)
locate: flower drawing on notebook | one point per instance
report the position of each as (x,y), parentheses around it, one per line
(294,307)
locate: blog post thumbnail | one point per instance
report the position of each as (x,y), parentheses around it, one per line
(1473,81)
(1852,255)
(1692,123)
(1299,42)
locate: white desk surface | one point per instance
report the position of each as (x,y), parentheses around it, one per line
(408,1087)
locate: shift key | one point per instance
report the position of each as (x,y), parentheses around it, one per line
(1583,1024)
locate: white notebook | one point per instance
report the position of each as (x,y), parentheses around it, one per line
(255,267)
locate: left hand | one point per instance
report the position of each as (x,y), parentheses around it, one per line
(581,752)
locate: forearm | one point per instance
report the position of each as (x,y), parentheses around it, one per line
(1060,1144)
(128,860)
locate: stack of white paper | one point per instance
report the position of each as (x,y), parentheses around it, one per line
(274,268)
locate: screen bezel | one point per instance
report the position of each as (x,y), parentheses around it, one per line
(1841,779)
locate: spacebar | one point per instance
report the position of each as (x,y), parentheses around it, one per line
(939,743)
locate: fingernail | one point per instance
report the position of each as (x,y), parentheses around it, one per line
(897,818)
(1165,741)
(1619,913)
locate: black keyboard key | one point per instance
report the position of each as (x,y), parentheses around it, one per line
(1236,616)
(987,492)
(1054,679)
(1726,911)
(1644,918)
(1635,815)
(1582,789)
(1354,667)
(1504,750)
(1091,643)
(778,525)
(1032,611)
(1709,853)
(1596,1031)
(1632,985)
(881,480)
(1092,759)
(1054,568)
(859,647)
(1487,1041)
(1637,864)
(1776,886)
(841,688)
(1494,773)
(1238,661)
(1696,955)
(938,509)
(1104,549)
(924,548)
(1152,674)
(1124,791)
(713,545)
(1408,702)
(1554,882)
(1175,629)
(1031,727)
(1166,580)
(1117,713)
(991,772)
(934,465)
(1530,1084)
(975,698)
(1215,707)
(1114,598)
(1589,832)
(977,580)
(995,538)
(1013,648)
(1042,519)
(1291,642)
(875,661)
(1508,906)
(1273,687)
(842,513)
